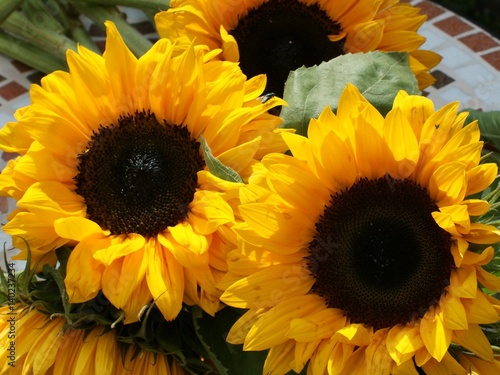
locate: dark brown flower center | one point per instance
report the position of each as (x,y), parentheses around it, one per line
(378,253)
(139,175)
(282,35)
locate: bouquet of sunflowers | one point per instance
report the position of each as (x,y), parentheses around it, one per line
(263,189)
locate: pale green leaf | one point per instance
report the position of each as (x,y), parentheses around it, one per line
(378,75)
(215,166)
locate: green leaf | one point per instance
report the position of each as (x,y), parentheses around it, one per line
(489,124)
(56,276)
(215,166)
(228,359)
(378,75)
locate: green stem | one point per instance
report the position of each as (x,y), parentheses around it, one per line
(36,12)
(80,35)
(140,4)
(137,43)
(58,9)
(29,55)
(49,41)
(150,14)
(71,22)
(7,7)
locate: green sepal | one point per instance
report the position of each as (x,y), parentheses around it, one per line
(58,275)
(215,166)
(45,291)
(5,285)
(492,196)
(176,339)
(378,75)
(228,359)
(489,125)
(492,332)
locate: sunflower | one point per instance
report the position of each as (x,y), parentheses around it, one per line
(477,366)
(41,345)
(111,165)
(360,254)
(278,36)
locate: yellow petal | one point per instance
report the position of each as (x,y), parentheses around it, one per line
(447,185)
(83,286)
(488,280)
(268,287)
(378,360)
(240,329)
(417,110)
(355,363)
(480,310)
(459,250)
(123,276)
(480,177)
(401,139)
(479,259)
(254,87)
(210,211)
(76,228)
(402,342)
(296,186)
(453,219)
(184,255)
(320,358)
(120,64)
(47,347)
(300,147)
(483,234)
(229,46)
(406,368)
(280,358)
(448,365)
(339,355)
(400,40)
(184,235)
(85,360)
(165,277)
(120,246)
(40,165)
(365,37)
(272,326)
(52,200)
(15,138)
(334,155)
(138,299)
(278,225)
(303,352)
(463,282)
(474,340)
(373,156)
(477,366)
(435,335)
(106,353)
(476,207)
(26,226)
(320,325)
(454,313)
(356,334)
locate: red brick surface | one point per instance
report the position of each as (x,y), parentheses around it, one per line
(493,58)
(430,9)
(479,42)
(453,26)
(12,90)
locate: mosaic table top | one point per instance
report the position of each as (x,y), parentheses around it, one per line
(469,71)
